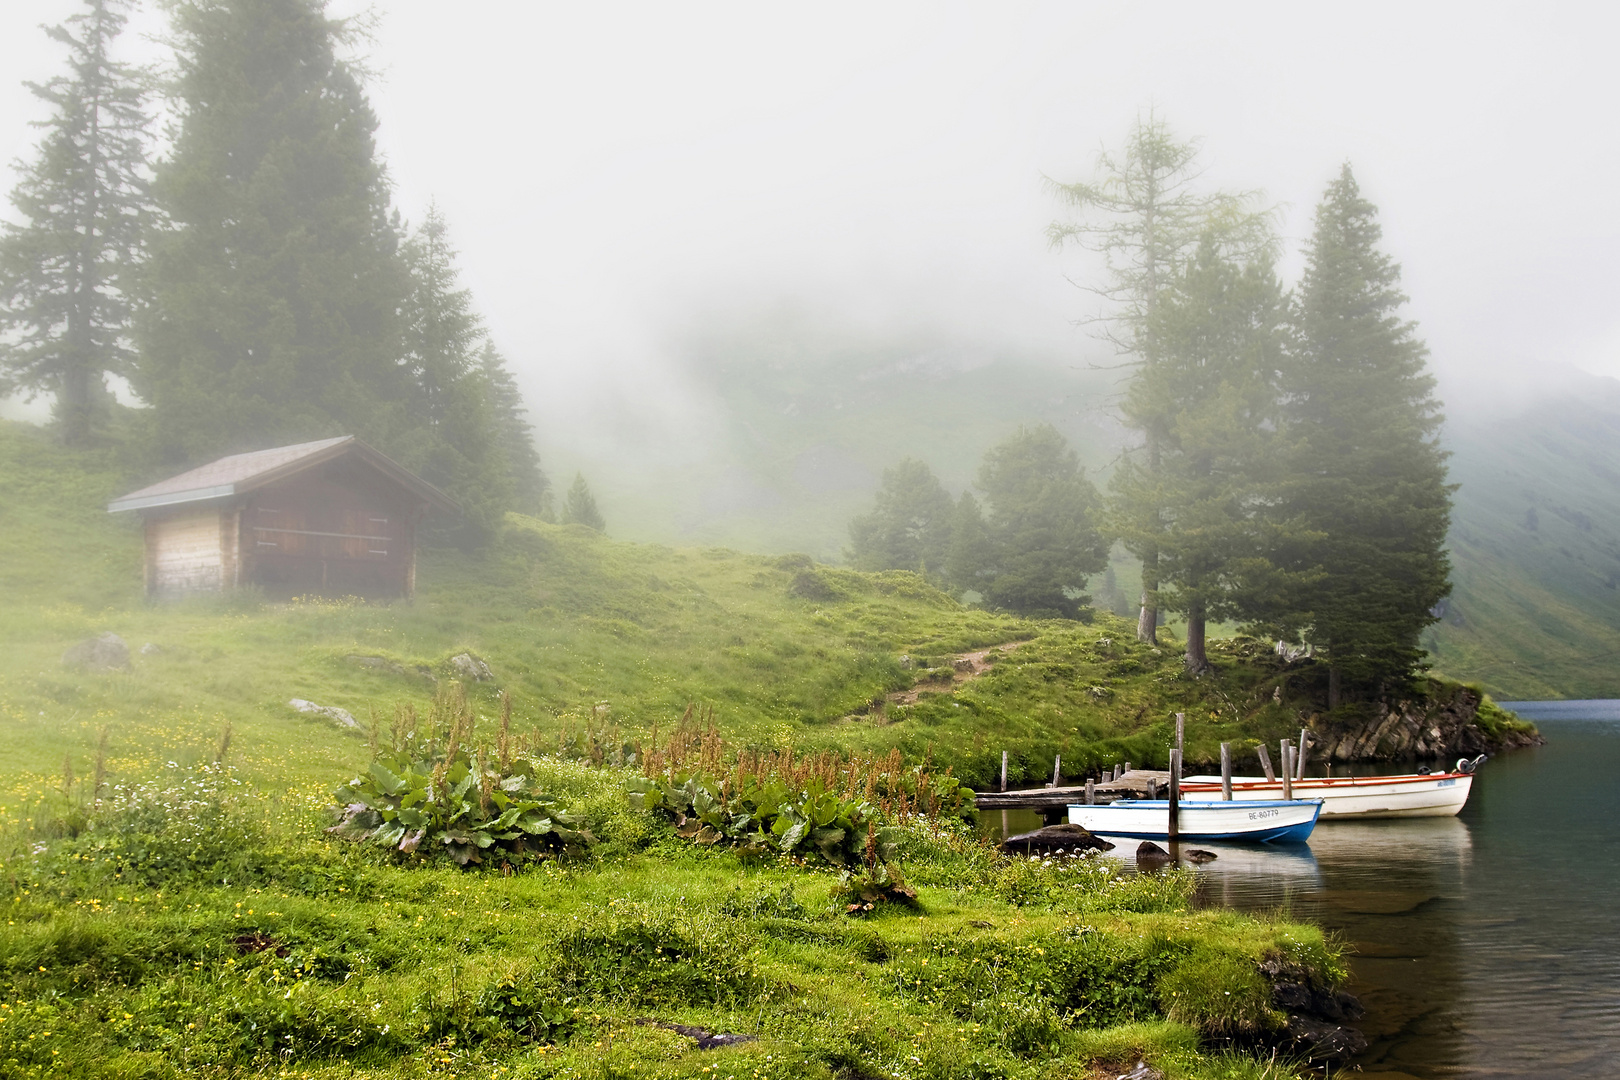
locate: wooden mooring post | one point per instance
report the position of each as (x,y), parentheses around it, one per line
(1287,764)
(1091,792)
(1304,749)
(1226,772)
(1057,769)
(1175,795)
(1265,763)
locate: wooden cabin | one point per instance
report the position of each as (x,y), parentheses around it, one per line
(332,517)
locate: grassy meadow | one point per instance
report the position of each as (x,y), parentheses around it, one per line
(176,908)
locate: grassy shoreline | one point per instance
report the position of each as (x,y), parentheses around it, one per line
(202,928)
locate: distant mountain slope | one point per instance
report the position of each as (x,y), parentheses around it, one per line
(1536,544)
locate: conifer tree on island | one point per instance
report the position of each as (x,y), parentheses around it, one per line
(1145,216)
(276,284)
(1221,337)
(66,271)
(910,526)
(1367,474)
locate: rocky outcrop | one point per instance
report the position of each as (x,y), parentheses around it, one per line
(1318,1017)
(1435,730)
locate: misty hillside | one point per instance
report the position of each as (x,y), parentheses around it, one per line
(802,425)
(1535,539)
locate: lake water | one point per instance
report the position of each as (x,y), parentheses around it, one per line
(1486,945)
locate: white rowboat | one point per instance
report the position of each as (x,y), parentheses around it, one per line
(1201,819)
(1362,797)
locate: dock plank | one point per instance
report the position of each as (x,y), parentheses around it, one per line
(1133,784)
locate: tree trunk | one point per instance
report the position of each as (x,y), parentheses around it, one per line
(1197,658)
(1147,621)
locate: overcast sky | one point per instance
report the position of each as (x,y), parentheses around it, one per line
(612,171)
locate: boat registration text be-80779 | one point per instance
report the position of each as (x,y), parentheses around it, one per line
(1256,815)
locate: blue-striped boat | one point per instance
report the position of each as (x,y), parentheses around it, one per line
(1272,820)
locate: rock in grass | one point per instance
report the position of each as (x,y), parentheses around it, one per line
(467,666)
(1143,1071)
(104,652)
(706,1040)
(1053,837)
(341,717)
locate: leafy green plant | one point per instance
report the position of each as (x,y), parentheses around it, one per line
(428,793)
(761,815)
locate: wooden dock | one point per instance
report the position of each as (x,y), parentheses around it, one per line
(1136,784)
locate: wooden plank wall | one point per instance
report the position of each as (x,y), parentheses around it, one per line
(183,552)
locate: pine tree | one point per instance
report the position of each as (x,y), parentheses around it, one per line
(1369,476)
(1145,216)
(580,506)
(527,482)
(1041,539)
(65,272)
(276,285)
(1220,329)
(909,528)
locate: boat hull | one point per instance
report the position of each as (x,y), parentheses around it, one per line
(1267,821)
(1358,798)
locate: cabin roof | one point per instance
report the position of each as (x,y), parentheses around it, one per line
(238,474)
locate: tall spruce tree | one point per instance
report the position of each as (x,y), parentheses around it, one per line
(1220,329)
(276,285)
(909,528)
(453,440)
(1042,537)
(527,482)
(1368,474)
(1144,214)
(66,268)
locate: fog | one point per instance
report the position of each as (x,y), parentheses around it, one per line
(622,177)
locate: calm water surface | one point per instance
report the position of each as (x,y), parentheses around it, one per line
(1486,945)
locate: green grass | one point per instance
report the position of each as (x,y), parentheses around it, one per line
(148,947)
(216,930)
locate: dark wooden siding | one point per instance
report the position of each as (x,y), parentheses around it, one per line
(340,529)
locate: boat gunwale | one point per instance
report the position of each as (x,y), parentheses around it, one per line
(1200,784)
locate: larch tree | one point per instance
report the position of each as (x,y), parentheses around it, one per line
(66,268)
(1220,328)
(275,283)
(1367,475)
(1042,538)
(1144,213)
(909,528)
